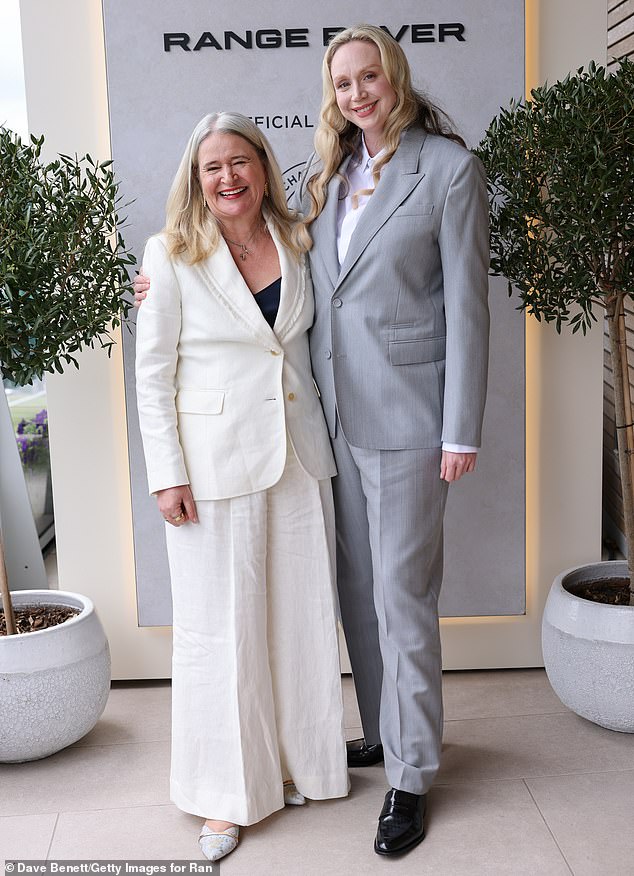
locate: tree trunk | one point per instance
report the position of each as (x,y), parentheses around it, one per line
(4,593)
(624,426)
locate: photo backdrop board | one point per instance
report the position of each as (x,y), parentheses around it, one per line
(169,64)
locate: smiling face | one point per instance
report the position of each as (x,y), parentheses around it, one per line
(232,178)
(364,95)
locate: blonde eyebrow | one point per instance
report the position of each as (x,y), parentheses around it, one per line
(372,67)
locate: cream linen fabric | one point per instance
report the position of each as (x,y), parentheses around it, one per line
(217,389)
(256,685)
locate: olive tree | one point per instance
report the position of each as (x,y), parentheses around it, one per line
(560,169)
(63,264)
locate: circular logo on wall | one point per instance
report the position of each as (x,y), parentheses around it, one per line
(291,178)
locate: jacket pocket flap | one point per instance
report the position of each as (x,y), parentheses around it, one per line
(411,209)
(415,351)
(200,401)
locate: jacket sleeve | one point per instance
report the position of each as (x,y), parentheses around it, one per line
(464,250)
(157,338)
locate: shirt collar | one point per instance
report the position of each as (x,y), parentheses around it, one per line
(363,161)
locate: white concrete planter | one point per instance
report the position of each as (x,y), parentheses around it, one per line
(54,683)
(589,650)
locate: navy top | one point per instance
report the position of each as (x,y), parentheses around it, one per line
(268,300)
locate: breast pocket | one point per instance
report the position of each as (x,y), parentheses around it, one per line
(411,210)
(200,401)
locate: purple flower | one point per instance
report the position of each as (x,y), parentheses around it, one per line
(32,439)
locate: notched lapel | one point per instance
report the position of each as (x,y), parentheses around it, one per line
(225,281)
(293,291)
(324,229)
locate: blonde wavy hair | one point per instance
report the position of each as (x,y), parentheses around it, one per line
(336,137)
(193,232)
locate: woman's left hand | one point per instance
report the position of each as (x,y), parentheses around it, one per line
(177,505)
(454,465)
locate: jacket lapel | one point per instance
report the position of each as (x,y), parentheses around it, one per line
(292,293)
(225,281)
(324,228)
(399,178)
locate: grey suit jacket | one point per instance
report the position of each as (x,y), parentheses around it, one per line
(399,345)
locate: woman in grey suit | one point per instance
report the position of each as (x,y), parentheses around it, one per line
(396,211)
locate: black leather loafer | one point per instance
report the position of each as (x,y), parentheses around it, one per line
(362,755)
(401,823)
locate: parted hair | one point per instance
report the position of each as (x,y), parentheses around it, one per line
(336,137)
(192,231)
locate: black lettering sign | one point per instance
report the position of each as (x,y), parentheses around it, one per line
(207,39)
(268,39)
(176,39)
(400,34)
(296,36)
(246,42)
(329,32)
(455,30)
(423,33)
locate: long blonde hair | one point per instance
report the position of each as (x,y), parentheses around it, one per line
(192,230)
(336,137)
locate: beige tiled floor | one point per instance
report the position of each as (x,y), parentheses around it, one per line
(525,787)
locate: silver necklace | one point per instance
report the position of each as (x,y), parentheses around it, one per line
(243,246)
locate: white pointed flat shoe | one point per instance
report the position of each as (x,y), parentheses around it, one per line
(218,845)
(293,797)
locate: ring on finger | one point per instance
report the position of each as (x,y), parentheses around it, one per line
(178,517)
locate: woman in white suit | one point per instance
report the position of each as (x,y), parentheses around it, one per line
(238,457)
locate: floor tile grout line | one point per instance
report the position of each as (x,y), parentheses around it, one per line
(94,809)
(513,715)
(50,844)
(75,746)
(548,828)
(520,778)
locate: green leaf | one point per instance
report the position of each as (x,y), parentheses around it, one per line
(62,273)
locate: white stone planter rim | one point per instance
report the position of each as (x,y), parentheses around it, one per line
(596,616)
(39,650)
(52,597)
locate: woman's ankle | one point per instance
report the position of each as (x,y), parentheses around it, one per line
(218,826)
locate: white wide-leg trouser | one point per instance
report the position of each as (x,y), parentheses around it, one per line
(256,688)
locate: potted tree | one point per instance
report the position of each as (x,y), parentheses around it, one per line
(560,172)
(63,268)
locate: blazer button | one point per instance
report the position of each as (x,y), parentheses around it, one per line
(328,354)
(337,302)
(291,396)
(275,353)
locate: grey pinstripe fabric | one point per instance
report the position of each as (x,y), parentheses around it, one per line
(399,350)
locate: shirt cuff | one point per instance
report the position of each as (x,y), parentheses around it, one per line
(459,448)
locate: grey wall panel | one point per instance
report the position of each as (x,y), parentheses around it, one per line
(157,96)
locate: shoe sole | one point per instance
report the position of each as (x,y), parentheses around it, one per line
(411,845)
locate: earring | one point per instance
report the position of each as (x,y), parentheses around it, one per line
(266,189)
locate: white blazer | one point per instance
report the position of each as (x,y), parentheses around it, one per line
(217,389)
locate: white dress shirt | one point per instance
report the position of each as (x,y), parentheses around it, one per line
(359,176)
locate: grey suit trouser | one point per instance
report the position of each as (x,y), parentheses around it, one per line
(389,507)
